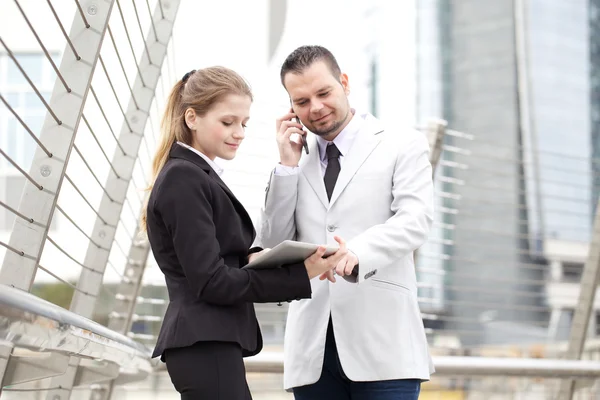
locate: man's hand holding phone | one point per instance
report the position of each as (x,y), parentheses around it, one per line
(289,150)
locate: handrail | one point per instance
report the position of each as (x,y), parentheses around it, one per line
(32,323)
(470,366)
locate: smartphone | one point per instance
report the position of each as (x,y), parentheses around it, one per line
(302,137)
(304,141)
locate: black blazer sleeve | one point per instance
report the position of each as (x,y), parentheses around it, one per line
(185,204)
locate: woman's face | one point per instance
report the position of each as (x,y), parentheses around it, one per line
(220,131)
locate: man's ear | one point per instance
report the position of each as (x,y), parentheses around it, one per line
(345,83)
(190,118)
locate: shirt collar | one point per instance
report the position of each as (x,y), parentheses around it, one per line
(345,138)
(210,162)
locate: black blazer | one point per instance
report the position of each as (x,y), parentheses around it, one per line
(200,235)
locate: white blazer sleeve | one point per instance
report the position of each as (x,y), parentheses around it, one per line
(276,222)
(412,205)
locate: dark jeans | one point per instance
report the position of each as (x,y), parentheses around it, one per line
(335,385)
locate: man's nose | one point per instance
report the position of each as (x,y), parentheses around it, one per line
(316,106)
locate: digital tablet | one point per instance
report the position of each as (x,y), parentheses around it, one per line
(287,252)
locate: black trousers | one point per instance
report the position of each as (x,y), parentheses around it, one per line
(208,371)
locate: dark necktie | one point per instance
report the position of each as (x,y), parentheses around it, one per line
(331,174)
(333,168)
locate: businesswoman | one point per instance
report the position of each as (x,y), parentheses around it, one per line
(200,235)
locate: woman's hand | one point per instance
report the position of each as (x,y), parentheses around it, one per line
(253,256)
(316,265)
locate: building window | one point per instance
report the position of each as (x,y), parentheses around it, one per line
(594,31)
(15,141)
(597,323)
(572,272)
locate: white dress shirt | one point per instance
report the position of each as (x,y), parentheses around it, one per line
(210,162)
(343,141)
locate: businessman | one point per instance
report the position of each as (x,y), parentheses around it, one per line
(362,337)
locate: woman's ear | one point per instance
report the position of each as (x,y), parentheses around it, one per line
(190,118)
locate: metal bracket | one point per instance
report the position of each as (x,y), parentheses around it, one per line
(91,371)
(26,366)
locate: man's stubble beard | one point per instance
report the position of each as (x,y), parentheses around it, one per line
(336,125)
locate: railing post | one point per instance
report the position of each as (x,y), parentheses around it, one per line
(123,162)
(436,129)
(120,320)
(39,202)
(124,158)
(48,168)
(585,305)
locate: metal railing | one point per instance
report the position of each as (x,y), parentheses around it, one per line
(471,366)
(91,70)
(44,338)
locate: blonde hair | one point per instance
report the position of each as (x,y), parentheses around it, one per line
(199,90)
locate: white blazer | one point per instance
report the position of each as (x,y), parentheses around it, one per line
(382,205)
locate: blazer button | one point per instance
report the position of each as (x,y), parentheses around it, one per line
(331,228)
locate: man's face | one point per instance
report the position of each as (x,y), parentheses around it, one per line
(319,99)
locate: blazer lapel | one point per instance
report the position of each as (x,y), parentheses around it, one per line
(178,151)
(314,175)
(236,203)
(217,178)
(366,141)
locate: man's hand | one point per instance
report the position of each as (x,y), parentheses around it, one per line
(317,265)
(289,151)
(258,254)
(345,265)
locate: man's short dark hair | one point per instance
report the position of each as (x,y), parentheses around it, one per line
(304,56)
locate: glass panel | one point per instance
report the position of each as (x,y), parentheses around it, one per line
(31,63)
(12,138)
(13,99)
(32,100)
